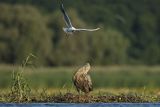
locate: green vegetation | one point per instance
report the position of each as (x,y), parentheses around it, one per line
(59,77)
(129,35)
(98,95)
(119,84)
(129,32)
(21,28)
(20,88)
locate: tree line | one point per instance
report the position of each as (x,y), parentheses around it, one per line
(129,32)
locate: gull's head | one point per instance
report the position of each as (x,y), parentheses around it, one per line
(65,30)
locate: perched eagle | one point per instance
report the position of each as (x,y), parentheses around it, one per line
(82,80)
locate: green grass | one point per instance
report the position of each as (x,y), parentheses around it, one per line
(102,77)
(98,95)
(111,84)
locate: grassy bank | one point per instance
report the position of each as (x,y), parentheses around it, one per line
(111,84)
(71,96)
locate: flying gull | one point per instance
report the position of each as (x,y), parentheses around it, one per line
(70,29)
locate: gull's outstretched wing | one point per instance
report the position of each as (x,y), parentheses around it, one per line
(66,18)
(87,29)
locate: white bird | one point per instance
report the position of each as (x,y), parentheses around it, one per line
(70,29)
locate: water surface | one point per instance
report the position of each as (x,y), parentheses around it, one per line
(81,105)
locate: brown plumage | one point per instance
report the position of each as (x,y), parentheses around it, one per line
(82,80)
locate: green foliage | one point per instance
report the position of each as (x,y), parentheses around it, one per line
(23,31)
(117,77)
(20,89)
(125,96)
(109,47)
(129,32)
(68,49)
(139,85)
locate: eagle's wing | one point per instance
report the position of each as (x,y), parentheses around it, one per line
(88,83)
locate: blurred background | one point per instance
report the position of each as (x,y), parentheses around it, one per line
(127,43)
